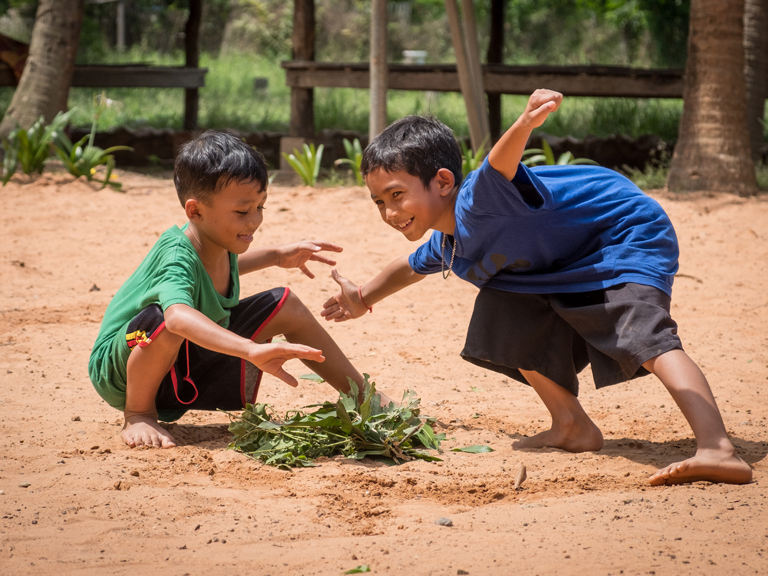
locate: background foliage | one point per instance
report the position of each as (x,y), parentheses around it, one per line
(245,39)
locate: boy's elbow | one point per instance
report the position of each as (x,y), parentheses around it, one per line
(174,318)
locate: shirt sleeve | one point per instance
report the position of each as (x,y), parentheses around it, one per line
(491,193)
(427,259)
(174,283)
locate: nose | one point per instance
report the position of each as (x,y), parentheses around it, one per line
(391,212)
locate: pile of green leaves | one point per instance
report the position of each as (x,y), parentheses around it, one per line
(348,427)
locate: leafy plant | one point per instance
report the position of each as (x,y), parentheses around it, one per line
(306,164)
(354,158)
(83,159)
(545,155)
(472,160)
(31,147)
(348,427)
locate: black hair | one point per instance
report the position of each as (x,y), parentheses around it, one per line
(417,145)
(211,161)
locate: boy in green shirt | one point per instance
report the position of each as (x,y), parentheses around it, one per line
(176,335)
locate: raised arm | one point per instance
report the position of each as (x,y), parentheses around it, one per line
(347,304)
(508,151)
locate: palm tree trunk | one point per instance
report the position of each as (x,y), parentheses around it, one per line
(756,69)
(44,84)
(712,150)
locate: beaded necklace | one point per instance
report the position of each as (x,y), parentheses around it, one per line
(442,258)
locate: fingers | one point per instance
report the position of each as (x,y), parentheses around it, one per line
(336,276)
(323,259)
(307,271)
(285,377)
(330,246)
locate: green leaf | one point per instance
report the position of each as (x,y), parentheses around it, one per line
(548,154)
(311,376)
(359,569)
(475,449)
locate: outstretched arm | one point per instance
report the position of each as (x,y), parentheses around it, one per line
(294,255)
(508,151)
(195,326)
(346,304)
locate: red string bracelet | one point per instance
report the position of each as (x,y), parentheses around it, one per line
(360,293)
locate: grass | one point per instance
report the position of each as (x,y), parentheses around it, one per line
(230,100)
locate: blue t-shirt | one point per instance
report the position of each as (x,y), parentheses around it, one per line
(555,229)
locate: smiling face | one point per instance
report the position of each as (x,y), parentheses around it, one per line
(410,207)
(229,219)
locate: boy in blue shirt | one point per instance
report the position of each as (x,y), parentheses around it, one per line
(176,335)
(574,264)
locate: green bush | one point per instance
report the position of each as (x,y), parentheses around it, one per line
(31,147)
(354,159)
(306,164)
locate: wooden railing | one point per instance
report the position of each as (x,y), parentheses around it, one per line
(126,76)
(604,81)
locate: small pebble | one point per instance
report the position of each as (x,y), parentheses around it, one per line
(27,485)
(75,418)
(134,472)
(444,522)
(2,493)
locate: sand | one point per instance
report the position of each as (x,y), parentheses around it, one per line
(76,499)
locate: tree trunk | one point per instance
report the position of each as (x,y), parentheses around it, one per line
(756,69)
(712,150)
(44,85)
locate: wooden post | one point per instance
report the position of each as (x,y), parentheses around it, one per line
(475,66)
(192,60)
(120,25)
(302,124)
(470,102)
(496,56)
(378,68)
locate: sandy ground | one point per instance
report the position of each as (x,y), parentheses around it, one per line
(75,499)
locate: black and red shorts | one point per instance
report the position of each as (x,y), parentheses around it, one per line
(202,379)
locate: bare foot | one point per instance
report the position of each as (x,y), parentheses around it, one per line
(581,436)
(710,465)
(145,431)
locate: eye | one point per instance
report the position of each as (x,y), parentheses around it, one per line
(378,202)
(242,212)
(396,194)
(261,207)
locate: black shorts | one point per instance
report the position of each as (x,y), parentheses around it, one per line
(616,330)
(206,380)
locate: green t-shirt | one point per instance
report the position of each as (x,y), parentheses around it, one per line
(171,273)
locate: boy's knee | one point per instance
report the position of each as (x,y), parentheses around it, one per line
(294,305)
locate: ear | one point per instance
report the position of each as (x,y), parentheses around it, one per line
(192,209)
(445,181)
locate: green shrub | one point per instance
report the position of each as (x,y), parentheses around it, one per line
(82,159)
(545,156)
(31,147)
(306,164)
(472,160)
(354,159)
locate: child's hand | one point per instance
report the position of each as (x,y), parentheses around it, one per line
(270,358)
(296,255)
(539,106)
(346,304)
